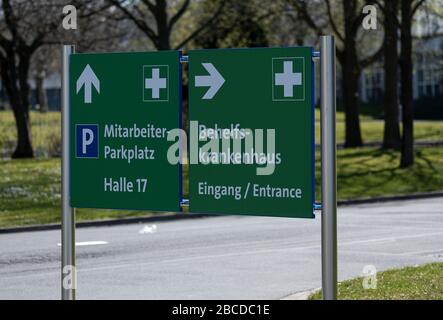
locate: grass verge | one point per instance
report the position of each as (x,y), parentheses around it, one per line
(45,132)
(371,172)
(410,283)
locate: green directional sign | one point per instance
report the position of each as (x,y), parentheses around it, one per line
(122,106)
(252,132)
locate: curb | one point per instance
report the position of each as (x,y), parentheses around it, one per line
(107,223)
(412,196)
(375,144)
(186,216)
(302,295)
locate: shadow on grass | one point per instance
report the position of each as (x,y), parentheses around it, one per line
(419,155)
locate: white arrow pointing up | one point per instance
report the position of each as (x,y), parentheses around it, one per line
(88,79)
(214,81)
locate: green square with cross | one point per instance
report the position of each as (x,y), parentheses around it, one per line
(155,83)
(288,79)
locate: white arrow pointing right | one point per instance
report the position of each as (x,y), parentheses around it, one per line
(214,81)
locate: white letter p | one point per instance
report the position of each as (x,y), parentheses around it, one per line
(87,139)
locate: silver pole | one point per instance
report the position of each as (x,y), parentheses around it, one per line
(68,213)
(328,170)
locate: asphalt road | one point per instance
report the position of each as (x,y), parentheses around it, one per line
(221,257)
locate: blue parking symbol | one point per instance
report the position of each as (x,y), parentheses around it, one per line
(86,138)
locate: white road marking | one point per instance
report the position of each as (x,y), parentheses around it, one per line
(87,243)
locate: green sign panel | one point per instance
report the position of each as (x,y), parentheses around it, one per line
(252,132)
(122,106)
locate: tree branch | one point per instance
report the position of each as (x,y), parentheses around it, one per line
(140,23)
(366,62)
(302,10)
(332,22)
(9,19)
(205,25)
(179,13)
(150,5)
(415,8)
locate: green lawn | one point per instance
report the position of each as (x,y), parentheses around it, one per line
(372,129)
(30,194)
(45,131)
(410,283)
(367,172)
(30,189)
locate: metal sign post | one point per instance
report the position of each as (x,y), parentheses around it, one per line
(222,89)
(328,170)
(68,280)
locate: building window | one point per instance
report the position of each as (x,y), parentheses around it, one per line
(428,81)
(374,85)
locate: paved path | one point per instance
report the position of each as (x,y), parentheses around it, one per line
(221,257)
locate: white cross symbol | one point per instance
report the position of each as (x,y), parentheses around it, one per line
(288,79)
(155,83)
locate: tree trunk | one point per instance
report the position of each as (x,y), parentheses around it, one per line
(18,98)
(391,136)
(407,148)
(353,136)
(42,99)
(163,31)
(23,76)
(22,123)
(24,146)
(351,74)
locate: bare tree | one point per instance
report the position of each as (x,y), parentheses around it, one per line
(391,134)
(24,26)
(154,19)
(351,61)
(44,61)
(408,10)
(242,24)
